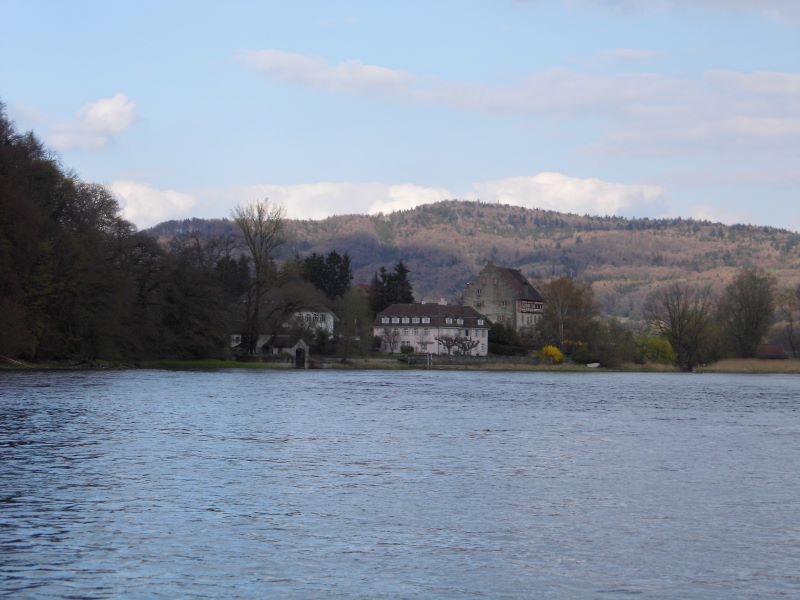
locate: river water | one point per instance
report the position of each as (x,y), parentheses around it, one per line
(254,484)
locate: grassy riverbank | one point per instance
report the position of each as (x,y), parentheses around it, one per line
(387,363)
(753,365)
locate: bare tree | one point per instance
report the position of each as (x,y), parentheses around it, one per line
(788,309)
(448,341)
(262,226)
(683,315)
(391,336)
(465,345)
(747,309)
(568,311)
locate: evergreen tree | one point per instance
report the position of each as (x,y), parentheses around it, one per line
(389,288)
(331,273)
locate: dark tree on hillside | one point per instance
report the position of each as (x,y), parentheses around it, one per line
(331,273)
(389,288)
(747,309)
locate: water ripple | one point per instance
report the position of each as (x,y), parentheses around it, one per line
(398,485)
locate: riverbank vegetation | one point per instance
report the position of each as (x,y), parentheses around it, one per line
(79,285)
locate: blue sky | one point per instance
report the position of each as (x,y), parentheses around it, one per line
(641,108)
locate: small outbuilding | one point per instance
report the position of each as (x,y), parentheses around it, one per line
(290,345)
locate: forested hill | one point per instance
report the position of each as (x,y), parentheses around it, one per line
(447,243)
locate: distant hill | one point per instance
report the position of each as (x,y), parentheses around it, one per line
(445,244)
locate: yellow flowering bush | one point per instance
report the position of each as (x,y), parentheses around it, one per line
(551,355)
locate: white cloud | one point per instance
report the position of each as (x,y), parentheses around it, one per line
(554,191)
(320,200)
(300,69)
(636,113)
(549,191)
(96,124)
(405,197)
(146,206)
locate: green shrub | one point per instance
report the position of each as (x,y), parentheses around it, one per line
(654,349)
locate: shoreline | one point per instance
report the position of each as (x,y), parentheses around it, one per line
(725,366)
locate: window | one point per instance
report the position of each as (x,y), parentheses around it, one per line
(460,321)
(478,291)
(308,317)
(480,321)
(466,333)
(504,303)
(448,321)
(479,303)
(395,319)
(483,347)
(405,332)
(384,319)
(426,319)
(416,331)
(415,319)
(405,319)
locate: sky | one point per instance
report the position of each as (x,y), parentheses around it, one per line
(640,108)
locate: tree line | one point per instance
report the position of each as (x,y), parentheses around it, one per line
(684,325)
(80,283)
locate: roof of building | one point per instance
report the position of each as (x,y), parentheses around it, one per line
(285,341)
(516,281)
(436,312)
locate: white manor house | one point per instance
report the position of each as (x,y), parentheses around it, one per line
(432,329)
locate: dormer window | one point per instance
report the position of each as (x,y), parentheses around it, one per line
(415,319)
(460,321)
(395,319)
(448,321)
(405,319)
(384,319)
(480,321)
(426,319)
